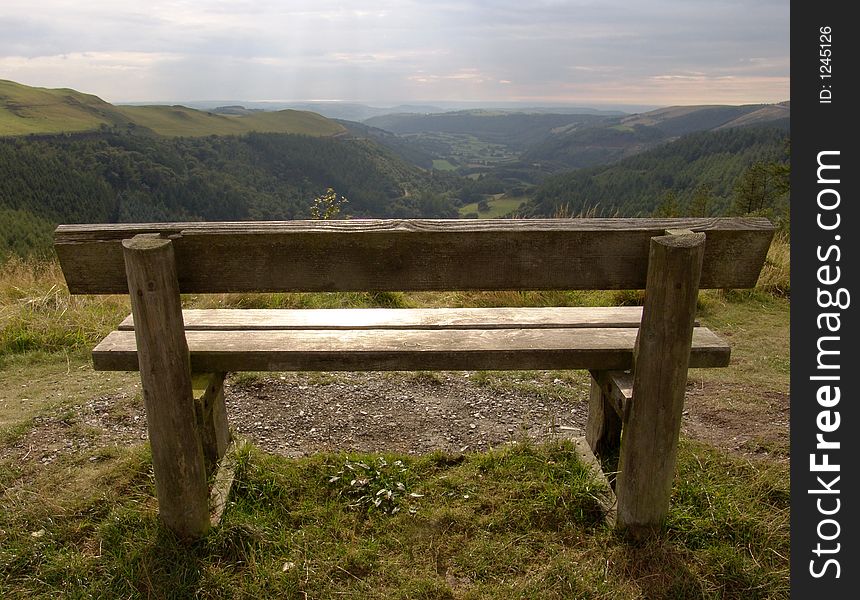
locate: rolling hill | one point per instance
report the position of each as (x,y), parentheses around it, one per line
(26,110)
(517,130)
(70,157)
(580,146)
(120,176)
(634,186)
(541,142)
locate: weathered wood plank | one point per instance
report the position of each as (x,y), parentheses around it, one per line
(650,441)
(177,453)
(617,387)
(603,428)
(222,482)
(406,318)
(378,255)
(211,416)
(409,350)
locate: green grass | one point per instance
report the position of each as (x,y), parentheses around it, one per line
(181,121)
(29,110)
(499,207)
(465,148)
(25,110)
(443,165)
(518,522)
(755,326)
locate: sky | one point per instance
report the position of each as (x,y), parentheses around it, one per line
(590,53)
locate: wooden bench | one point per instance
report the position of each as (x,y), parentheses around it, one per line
(638,356)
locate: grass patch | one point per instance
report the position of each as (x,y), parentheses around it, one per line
(32,110)
(441,164)
(522,521)
(756,326)
(498,207)
(37,314)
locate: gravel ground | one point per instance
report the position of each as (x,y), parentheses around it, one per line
(299,414)
(295,415)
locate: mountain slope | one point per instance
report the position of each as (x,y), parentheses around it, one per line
(28,110)
(516,130)
(634,186)
(118,176)
(183,121)
(399,145)
(581,146)
(25,110)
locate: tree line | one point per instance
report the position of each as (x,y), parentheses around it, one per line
(732,171)
(118,176)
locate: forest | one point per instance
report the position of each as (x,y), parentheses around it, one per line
(120,176)
(700,174)
(674,161)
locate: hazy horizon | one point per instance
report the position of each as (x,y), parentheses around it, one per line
(549,52)
(418,103)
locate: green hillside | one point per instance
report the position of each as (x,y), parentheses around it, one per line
(29,110)
(484,141)
(183,121)
(513,129)
(635,186)
(119,176)
(26,110)
(584,145)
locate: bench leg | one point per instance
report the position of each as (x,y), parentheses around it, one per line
(211,417)
(603,429)
(661,356)
(165,373)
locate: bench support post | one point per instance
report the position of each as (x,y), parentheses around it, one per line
(211,417)
(649,442)
(165,373)
(603,428)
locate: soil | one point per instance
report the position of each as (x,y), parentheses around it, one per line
(299,414)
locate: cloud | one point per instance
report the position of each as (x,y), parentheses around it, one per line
(400,50)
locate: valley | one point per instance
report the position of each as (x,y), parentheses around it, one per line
(67,156)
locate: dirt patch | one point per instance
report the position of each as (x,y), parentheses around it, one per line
(299,414)
(368,412)
(738,418)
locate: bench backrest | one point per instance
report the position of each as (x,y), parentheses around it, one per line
(419,254)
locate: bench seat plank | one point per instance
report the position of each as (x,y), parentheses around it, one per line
(224,319)
(408,350)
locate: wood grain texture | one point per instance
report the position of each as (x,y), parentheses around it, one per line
(224,319)
(222,483)
(650,440)
(408,350)
(177,453)
(603,428)
(211,417)
(617,388)
(401,255)
(609,404)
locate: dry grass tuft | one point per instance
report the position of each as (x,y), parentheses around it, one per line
(775,277)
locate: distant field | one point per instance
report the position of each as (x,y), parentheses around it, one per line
(443,165)
(499,207)
(182,121)
(28,110)
(25,110)
(464,148)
